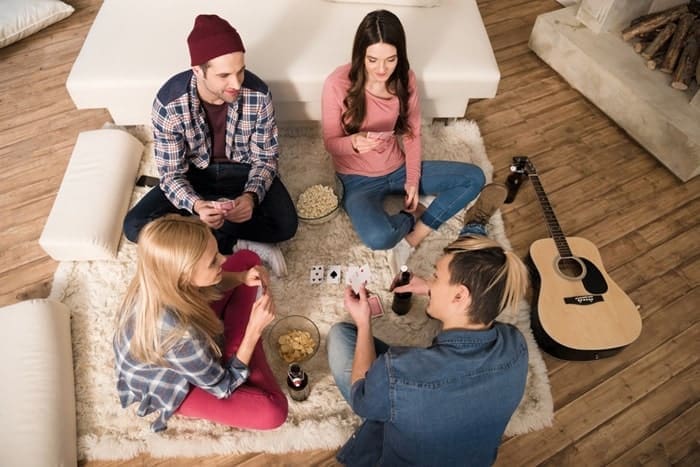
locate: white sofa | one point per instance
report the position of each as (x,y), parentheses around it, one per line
(134,46)
(37,396)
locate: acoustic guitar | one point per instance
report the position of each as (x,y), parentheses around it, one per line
(578,311)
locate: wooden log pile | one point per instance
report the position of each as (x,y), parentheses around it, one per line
(669,41)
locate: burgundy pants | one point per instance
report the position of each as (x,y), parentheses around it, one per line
(259,403)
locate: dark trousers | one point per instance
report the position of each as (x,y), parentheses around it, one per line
(274,220)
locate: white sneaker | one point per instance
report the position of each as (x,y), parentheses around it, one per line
(426,200)
(270,254)
(398,256)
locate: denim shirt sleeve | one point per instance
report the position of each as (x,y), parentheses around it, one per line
(370,396)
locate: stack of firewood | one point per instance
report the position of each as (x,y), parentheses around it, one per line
(670,42)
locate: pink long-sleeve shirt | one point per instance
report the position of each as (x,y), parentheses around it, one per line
(381,115)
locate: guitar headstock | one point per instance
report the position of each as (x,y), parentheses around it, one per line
(522,165)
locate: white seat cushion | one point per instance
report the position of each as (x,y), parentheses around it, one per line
(37,396)
(86,219)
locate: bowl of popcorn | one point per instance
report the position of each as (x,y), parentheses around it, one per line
(320,203)
(294,338)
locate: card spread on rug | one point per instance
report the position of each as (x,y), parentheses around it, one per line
(93,290)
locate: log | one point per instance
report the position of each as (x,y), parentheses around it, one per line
(654,22)
(686,65)
(654,62)
(641,45)
(659,40)
(674,48)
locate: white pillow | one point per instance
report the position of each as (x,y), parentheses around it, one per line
(20,18)
(422,3)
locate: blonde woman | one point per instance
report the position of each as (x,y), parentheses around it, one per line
(186,300)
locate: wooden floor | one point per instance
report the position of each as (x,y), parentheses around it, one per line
(639,407)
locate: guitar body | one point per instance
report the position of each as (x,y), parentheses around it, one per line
(579,312)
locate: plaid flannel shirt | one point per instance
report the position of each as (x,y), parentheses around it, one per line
(164,388)
(182,137)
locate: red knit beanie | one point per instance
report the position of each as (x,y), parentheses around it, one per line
(212,37)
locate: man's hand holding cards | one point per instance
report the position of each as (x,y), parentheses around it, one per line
(223,205)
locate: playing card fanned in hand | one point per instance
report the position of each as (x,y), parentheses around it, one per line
(357,275)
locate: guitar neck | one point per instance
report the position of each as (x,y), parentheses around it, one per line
(552,224)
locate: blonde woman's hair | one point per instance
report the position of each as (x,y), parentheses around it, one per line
(497,279)
(168,249)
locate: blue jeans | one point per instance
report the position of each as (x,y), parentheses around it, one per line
(455,184)
(340,344)
(274,220)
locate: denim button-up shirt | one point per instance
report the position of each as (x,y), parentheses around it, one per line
(445,405)
(181,136)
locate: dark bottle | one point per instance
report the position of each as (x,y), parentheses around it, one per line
(402,301)
(513,182)
(297,382)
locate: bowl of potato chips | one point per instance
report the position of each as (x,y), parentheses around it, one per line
(294,338)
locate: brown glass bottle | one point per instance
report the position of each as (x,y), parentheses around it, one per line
(513,182)
(402,301)
(297,382)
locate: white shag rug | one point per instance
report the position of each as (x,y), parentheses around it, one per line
(93,290)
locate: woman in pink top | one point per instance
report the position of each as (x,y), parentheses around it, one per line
(371,127)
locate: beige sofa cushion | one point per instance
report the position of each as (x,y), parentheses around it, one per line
(37,396)
(85,222)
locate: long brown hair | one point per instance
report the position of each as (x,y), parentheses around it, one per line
(168,249)
(496,278)
(377,26)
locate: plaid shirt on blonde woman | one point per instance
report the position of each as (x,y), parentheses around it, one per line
(164,388)
(182,137)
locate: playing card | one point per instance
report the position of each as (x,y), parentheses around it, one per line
(223,204)
(365,274)
(382,135)
(333,274)
(358,275)
(316,275)
(375,306)
(352,278)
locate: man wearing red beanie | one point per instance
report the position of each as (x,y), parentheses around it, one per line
(215,142)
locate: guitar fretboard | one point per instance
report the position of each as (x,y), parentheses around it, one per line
(552,224)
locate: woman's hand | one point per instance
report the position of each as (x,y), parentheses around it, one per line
(256,276)
(362,144)
(410,202)
(262,314)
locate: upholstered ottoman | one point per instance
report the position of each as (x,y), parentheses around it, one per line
(85,222)
(37,395)
(134,46)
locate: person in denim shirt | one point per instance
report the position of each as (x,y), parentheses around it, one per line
(215,136)
(447,404)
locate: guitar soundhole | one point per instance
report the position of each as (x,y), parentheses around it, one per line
(571,268)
